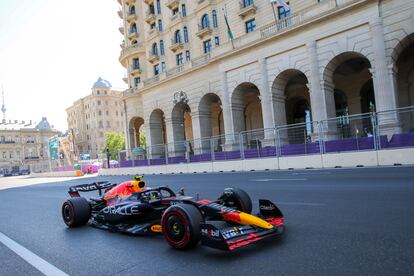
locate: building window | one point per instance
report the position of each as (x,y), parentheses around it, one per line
(162,50)
(187,55)
(117,113)
(107,113)
(135,63)
(159,6)
(137,81)
(100,124)
(250,25)
(183,10)
(163,67)
(132,10)
(247,3)
(282,12)
(101,134)
(177,36)
(154,49)
(185,34)
(205,22)
(106,102)
(98,92)
(207,46)
(217,41)
(180,59)
(151,9)
(108,124)
(153,26)
(175,11)
(99,102)
(99,113)
(160,25)
(156,69)
(214,14)
(133,28)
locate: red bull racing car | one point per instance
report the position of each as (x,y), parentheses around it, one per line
(133,208)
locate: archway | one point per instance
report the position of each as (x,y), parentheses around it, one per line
(211,116)
(135,138)
(404,62)
(157,127)
(292,106)
(246,108)
(348,76)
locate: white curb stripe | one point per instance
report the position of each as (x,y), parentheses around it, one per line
(34,260)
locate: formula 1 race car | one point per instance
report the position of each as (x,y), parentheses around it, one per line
(133,208)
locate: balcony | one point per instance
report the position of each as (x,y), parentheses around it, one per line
(175,17)
(122,30)
(153,32)
(131,17)
(129,51)
(176,45)
(148,2)
(247,9)
(203,31)
(135,71)
(121,15)
(130,2)
(150,17)
(133,35)
(153,57)
(173,4)
(120,2)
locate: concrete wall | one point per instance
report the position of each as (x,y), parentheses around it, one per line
(347,160)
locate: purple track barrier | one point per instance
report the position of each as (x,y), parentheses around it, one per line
(204,157)
(300,149)
(401,140)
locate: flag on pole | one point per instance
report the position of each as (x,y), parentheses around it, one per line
(229,33)
(281,3)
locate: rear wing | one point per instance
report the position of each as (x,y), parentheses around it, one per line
(96,186)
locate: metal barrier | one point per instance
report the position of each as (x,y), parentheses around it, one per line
(361,132)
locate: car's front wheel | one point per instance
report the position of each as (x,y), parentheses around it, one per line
(76,211)
(181,225)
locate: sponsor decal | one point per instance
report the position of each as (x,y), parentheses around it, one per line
(267,207)
(121,210)
(211,233)
(156,228)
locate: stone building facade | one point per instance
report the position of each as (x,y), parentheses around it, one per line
(318,60)
(24,144)
(90,117)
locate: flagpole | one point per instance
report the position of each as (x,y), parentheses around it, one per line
(228,26)
(274,12)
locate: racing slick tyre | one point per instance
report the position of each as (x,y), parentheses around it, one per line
(76,211)
(238,199)
(181,226)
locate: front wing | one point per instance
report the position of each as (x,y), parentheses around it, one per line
(233,237)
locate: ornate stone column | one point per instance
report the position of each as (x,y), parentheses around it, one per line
(385,94)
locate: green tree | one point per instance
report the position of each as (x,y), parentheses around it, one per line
(142,138)
(115,141)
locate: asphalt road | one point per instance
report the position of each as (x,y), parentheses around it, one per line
(339,222)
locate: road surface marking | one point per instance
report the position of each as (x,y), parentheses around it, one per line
(34,260)
(279,179)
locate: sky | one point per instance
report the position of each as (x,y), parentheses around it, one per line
(52,52)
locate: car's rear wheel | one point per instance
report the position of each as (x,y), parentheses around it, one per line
(237,198)
(181,226)
(76,211)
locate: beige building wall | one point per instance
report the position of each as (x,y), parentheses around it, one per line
(91,117)
(322,49)
(24,145)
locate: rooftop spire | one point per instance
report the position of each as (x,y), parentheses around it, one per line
(3,106)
